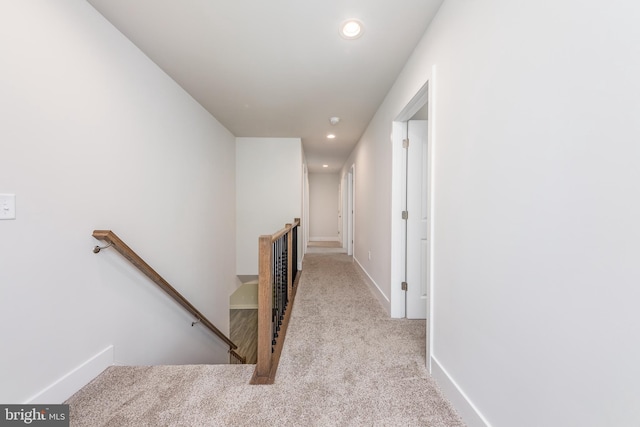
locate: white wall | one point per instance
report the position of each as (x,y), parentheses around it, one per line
(536,207)
(372,200)
(268,192)
(323,206)
(95,136)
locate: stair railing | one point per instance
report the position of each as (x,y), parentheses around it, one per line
(124,250)
(277,285)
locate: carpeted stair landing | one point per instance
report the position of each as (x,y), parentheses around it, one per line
(344,363)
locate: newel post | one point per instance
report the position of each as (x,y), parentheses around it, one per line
(265,301)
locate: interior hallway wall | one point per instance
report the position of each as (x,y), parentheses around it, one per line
(536,207)
(94,135)
(269,180)
(324,190)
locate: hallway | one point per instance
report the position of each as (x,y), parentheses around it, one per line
(344,362)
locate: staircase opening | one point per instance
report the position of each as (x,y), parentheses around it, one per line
(243,317)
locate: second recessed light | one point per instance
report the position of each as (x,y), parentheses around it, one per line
(351,29)
(331,136)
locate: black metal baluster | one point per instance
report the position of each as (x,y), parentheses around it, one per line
(285,271)
(294,255)
(282,279)
(274,310)
(280,287)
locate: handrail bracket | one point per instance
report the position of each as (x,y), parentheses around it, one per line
(97,249)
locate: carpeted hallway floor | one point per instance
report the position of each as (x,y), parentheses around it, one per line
(344,363)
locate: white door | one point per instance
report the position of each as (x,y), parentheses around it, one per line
(417,257)
(340,213)
(350,209)
(344,204)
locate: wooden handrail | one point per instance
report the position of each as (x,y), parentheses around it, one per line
(274,303)
(278,234)
(124,250)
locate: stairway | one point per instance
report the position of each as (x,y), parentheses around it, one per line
(344,362)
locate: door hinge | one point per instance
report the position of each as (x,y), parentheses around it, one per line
(404,286)
(405,143)
(405,214)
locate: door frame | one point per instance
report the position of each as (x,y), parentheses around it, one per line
(305,213)
(345,211)
(351,207)
(425,95)
(340,230)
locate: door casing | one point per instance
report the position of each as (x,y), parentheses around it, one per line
(426,95)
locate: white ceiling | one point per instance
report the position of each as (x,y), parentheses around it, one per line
(279,68)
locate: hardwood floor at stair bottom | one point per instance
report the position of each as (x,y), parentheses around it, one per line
(244,332)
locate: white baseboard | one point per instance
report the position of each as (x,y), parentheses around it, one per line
(243,307)
(324,239)
(465,408)
(65,387)
(384,301)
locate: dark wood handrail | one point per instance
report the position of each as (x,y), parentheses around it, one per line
(124,250)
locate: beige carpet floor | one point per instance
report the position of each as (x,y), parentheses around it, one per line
(344,363)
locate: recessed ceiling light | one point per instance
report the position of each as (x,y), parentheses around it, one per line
(331,136)
(351,29)
(325,166)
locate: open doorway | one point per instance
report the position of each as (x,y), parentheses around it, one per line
(347,191)
(412,210)
(350,209)
(417,218)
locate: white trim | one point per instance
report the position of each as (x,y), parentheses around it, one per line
(324,239)
(65,387)
(243,307)
(303,238)
(345,210)
(418,101)
(353,213)
(375,289)
(432,100)
(425,95)
(398,200)
(452,391)
(351,208)
(397,223)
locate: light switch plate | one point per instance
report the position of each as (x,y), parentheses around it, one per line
(7,206)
